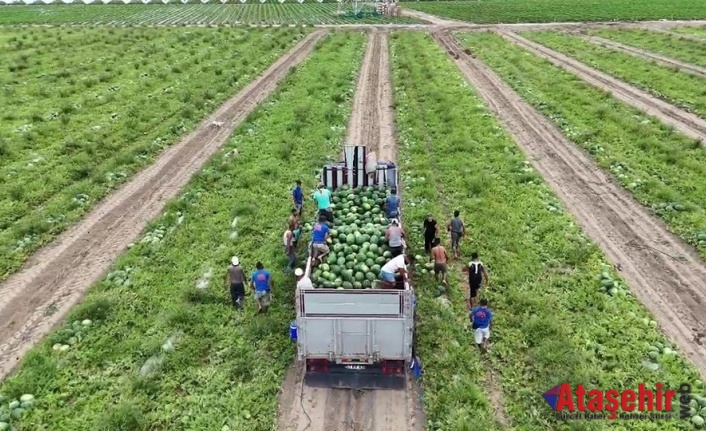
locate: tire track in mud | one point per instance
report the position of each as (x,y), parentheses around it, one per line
(647,55)
(689,124)
(326,409)
(665,273)
(58,275)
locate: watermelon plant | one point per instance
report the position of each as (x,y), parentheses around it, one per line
(554,320)
(164,353)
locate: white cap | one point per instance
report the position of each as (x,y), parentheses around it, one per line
(298,272)
(235,261)
(395,221)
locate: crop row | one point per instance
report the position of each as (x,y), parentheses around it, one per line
(512,11)
(271,12)
(663,169)
(678,88)
(79,120)
(555,323)
(695,31)
(689,51)
(165,349)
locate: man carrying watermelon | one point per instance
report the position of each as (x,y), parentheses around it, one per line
(323,202)
(319,235)
(392,204)
(261,283)
(396,266)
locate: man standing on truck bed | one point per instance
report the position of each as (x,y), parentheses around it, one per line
(298,197)
(236,280)
(440,258)
(392,204)
(477,275)
(431,231)
(323,202)
(394,235)
(261,283)
(458,231)
(481,321)
(319,236)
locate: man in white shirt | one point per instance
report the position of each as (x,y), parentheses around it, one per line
(397,265)
(303,282)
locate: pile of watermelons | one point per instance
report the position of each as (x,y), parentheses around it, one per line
(356,240)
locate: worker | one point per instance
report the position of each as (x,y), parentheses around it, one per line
(396,266)
(458,231)
(323,202)
(440,258)
(236,280)
(319,237)
(431,231)
(477,276)
(262,284)
(395,237)
(392,204)
(290,249)
(298,197)
(481,322)
(303,282)
(293,221)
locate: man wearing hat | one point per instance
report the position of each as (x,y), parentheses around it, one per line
(303,282)
(323,202)
(236,279)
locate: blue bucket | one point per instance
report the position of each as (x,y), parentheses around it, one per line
(293,330)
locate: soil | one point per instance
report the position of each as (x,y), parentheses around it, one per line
(665,273)
(326,409)
(685,122)
(684,67)
(36,298)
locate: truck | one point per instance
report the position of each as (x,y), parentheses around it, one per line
(350,332)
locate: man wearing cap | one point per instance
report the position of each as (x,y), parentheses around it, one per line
(395,237)
(303,282)
(236,279)
(392,204)
(323,202)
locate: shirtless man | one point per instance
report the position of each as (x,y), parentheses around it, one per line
(440,258)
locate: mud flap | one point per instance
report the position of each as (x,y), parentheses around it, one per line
(339,380)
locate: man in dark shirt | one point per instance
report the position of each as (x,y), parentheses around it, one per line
(431,231)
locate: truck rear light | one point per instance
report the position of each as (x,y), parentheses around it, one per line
(392,367)
(317,365)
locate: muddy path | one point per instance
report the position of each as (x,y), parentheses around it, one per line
(666,274)
(647,55)
(57,276)
(689,124)
(302,407)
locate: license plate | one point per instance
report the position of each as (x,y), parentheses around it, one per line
(355,367)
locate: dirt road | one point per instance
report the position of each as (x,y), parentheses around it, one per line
(685,122)
(58,275)
(322,409)
(664,272)
(666,61)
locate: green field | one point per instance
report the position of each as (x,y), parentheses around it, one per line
(271,12)
(513,11)
(84,109)
(554,322)
(225,368)
(695,31)
(679,88)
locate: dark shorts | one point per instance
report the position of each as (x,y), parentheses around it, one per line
(439,268)
(475,287)
(428,243)
(237,294)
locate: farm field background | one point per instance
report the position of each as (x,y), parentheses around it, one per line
(515,11)
(77,124)
(271,12)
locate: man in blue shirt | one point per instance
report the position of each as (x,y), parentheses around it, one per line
(298,197)
(261,283)
(392,204)
(319,235)
(323,202)
(481,321)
